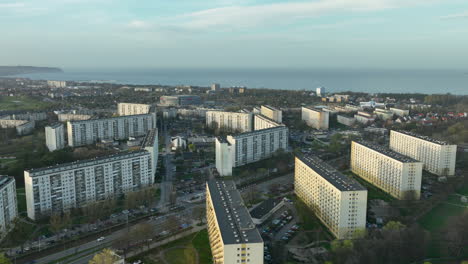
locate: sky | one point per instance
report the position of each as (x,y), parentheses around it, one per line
(397,34)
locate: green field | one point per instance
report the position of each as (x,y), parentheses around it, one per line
(22,103)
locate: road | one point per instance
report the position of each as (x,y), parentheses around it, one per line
(166,183)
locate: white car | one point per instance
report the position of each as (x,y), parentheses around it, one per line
(101,239)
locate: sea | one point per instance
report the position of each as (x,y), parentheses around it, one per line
(334,80)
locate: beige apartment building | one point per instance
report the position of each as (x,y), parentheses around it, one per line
(315,117)
(337,200)
(262,122)
(272,113)
(233,236)
(438,156)
(398,175)
(232,121)
(125,109)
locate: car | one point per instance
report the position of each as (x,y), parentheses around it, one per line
(101,239)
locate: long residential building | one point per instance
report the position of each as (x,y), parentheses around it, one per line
(263,122)
(180,100)
(126,109)
(55,136)
(73,185)
(272,113)
(233,236)
(338,201)
(8,203)
(439,157)
(231,121)
(92,131)
(396,174)
(237,150)
(315,117)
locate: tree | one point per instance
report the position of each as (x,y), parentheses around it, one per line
(394,226)
(106,256)
(55,222)
(456,235)
(192,147)
(198,213)
(4,259)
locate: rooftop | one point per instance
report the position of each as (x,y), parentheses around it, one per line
(234,220)
(55,125)
(85,163)
(439,142)
(313,108)
(271,107)
(148,141)
(4,180)
(336,178)
(108,118)
(260,131)
(387,152)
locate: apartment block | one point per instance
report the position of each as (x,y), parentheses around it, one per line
(73,185)
(315,117)
(233,236)
(237,150)
(338,201)
(439,157)
(126,109)
(400,112)
(262,122)
(346,120)
(57,84)
(383,114)
(8,203)
(92,131)
(55,136)
(231,121)
(398,175)
(272,113)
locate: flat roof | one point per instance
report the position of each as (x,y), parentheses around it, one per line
(148,141)
(234,219)
(5,180)
(88,162)
(426,138)
(314,108)
(271,107)
(55,125)
(387,152)
(260,131)
(107,119)
(333,176)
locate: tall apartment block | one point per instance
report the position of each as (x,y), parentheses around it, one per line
(215,87)
(272,113)
(233,121)
(438,157)
(125,109)
(315,117)
(338,201)
(232,234)
(237,150)
(396,174)
(55,136)
(8,204)
(262,122)
(151,145)
(92,131)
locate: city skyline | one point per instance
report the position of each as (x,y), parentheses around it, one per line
(232,34)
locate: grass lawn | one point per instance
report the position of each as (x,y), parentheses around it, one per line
(21,199)
(22,103)
(181,255)
(372,191)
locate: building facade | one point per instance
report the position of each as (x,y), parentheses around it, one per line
(57,84)
(22,127)
(262,122)
(345,120)
(74,185)
(231,121)
(87,132)
(320,91)
(233,236)
(8,203)
(55,136)
(126,109)
(238,150)
(272,113)
(338,201)
(180,100)
(215,87)
(396,174)
(400,112)
(438,157)
(315,117)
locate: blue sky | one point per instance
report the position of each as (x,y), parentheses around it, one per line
(235,34)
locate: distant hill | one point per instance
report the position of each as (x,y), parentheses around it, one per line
(14,70)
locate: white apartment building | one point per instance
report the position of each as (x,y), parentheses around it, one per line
(346,120)
(383,114)
(57,84)
(151,145)
(438,157)
(338,201)
(73,117)
(262,122)
(232,121)
(23,127)
(215,87)
(315,117)
(237,150)
(233,236)
(92,131)
(320,91)
(364,117)
(400,112)
(55,136)
(272,113)
(73,185)
(394,173)
(126,109)
(8,204)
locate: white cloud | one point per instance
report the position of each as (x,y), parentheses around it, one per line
(457,15)
(139,24)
